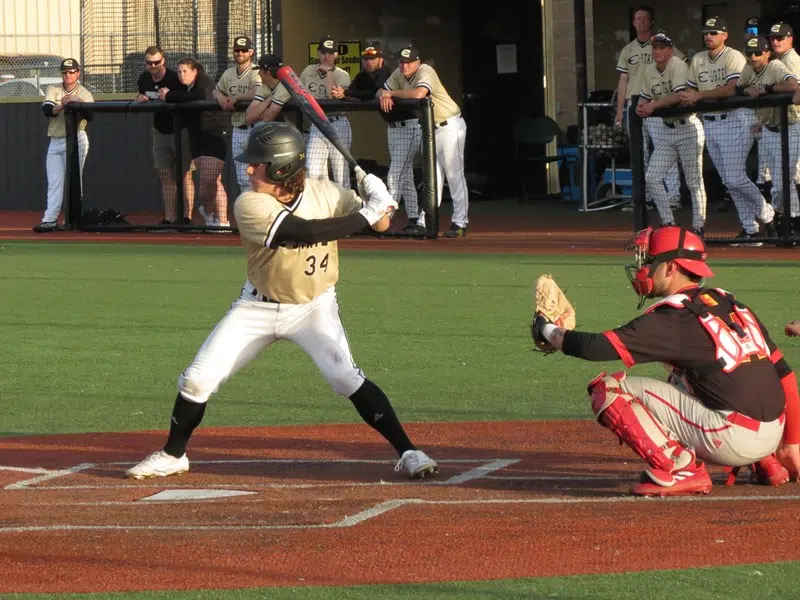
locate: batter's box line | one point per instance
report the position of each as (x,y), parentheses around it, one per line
(481,471)
(389,505)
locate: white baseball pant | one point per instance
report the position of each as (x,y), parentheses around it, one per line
(721,437)
(56,165)
(748,116)
(728,141)
(684,141)
(405,141)
(655,130)
(450,139)
(319,150)
(251,325)
(771,140)
(238,139)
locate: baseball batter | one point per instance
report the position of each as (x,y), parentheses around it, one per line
(731,398)
(270,98)
(781,38)
(56,99)
(289,225)
(412,79)
(633,60)
(319,80)
(761,76)
(238,83)
(713,74)
(683,139)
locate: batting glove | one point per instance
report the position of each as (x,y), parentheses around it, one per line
(373,186)
(378,206)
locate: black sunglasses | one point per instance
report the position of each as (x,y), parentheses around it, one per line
(153,63)
(780,38)
(70,72)
(759,53)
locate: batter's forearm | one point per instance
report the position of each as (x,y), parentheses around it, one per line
(315,231)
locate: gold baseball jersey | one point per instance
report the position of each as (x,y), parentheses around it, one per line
(774,72)
(233,83)
(57,127)
(426,77)
(706,73)
(633,60)
(659,84)
(791,59)
(279,94)
(319,82)
(293,273)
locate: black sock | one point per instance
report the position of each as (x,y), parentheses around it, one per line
(377,412)
(186,415)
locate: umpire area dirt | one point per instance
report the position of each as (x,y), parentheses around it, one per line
(288,506)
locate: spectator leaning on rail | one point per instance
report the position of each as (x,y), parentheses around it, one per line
(56,99)
(156,76)
(712,75)
(403,132)
(206,137)
(764,76)
(633,60)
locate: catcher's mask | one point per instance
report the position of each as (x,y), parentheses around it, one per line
(654,246)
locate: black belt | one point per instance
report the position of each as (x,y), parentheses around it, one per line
(772,128)
(243,126)
(254,293)
(335,117)
(672,125)
(398,124)
(714,118)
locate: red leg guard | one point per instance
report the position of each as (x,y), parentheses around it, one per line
(634,425)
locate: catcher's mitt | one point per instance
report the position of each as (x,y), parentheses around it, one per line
(550,305)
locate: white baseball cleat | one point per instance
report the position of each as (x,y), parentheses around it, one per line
(159,464)
(418,464)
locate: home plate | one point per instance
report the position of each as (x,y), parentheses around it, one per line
(194,495)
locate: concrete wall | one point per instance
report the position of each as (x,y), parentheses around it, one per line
(563,58)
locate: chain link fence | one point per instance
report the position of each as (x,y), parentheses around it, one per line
(115,33)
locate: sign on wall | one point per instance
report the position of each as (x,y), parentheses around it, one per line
(349,57)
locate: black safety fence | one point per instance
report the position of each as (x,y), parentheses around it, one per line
(737,162)
(137,179)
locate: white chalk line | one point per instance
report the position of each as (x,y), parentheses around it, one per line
(470,475)
(25,469)
(390,505)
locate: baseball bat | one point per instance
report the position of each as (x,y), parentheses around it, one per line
(311,108)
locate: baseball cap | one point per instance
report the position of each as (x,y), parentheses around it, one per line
(372,50)
(781,29)
(756,44)
(327,45)
(242,43)
(715,24)
(270,61)
(408,54)
(68,64)
(661,39)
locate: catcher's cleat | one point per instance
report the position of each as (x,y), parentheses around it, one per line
(159,464)
(769,471)
(695,480)
(418,464)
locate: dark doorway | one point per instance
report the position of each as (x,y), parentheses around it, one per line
(493,101)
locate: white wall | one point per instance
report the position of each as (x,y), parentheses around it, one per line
(40,26)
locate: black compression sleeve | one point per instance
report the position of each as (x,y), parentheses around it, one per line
(47,109)
(295,229)
(588,346)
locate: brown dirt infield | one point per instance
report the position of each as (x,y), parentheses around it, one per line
(513,499)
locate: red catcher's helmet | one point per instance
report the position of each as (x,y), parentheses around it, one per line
(654,246)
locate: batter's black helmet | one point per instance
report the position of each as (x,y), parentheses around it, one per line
(277,144)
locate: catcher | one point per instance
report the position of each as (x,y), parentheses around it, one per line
(731,398)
